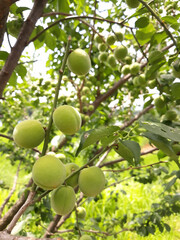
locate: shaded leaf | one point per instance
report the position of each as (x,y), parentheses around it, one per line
(142,22)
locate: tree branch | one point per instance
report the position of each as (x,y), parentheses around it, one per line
(21,43)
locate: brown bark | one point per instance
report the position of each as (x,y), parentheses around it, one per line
(21,43)
(52,226)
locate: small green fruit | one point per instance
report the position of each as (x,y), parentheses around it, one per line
(91,107)
(132,3)
(48,172)
(103,56)
(128,60)
(91,181)
(67,119)
(152,84)
(98,39)
(125,69)
(85,90)
(79,62)
(83,99)
(170,115)
(102,47)
(159,102)
(111,61)
(63,200)
(85,237)
(142,79)
(135,68)
(65,78)
(119,36)
(176,148)
(176,68)
(120,52)
(70,168)
(111,39)
(28,133)
(81,212)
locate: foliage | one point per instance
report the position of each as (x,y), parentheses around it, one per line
(141,167)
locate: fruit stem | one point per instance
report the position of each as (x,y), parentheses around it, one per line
(45,146)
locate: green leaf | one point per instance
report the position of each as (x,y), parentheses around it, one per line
(13,79)
(158,37)
(129,150)
(162,130)
(21,70)
(169,19)
(4,55)
(50,41)
(170,184)
(62,6)
(162,144)
(145,34)
(152,69)
(142,22)
(94,135)
(21,9)
(156,56)
(167,227)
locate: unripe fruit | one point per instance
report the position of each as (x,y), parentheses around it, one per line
(159,102)
(136,81)
(91,181)
(85,237)
(83,99)
(128,60)
(111,39)
(91,107)
(125,69)
(170,115)
(176,148)
(70,168)
(102,47)
(86,118)
(120,52)
(152,84)
(28,133)
(79,62)
(81,212)
(86,90)
(103,56)
(135,68)
(67,119)
(65,78)
(176,68)
(132,3)
(111,61)
(142,79)
(48,172)
(63,200)
(98,39)
(119,36)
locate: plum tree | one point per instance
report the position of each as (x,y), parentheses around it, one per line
(102,47)
(98,39)
(28,133)
(85,237)
(171,115)
(176,68)
(70,168)
(111,60)
(103,56)
(67,119)
(79,62)
(81,212)
(125,69)
(63,200)
(120,52)
(119,36)
(132,3)
(91,181)
(48,172)
(159,102)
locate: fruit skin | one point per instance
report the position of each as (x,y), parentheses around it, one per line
(176,68)
(28,133)
(85,237)
(48,172)
(125,69)
(135,68)
(63,200)
(102,47)
(91,181)
(159,102)
(119,36)
(81,212)
(111,61)
(132,3)
(70,168)
(152,84)
(98,39)
(111,39)
(67,119)
(120,52)
(128,60)
(103,56)
(170,115)
(79,62)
